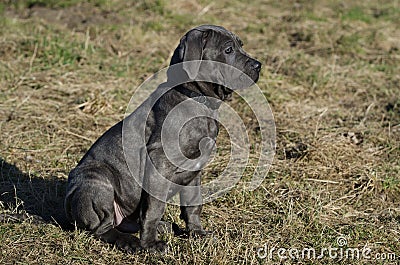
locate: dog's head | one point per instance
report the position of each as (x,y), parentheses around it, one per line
(206,44)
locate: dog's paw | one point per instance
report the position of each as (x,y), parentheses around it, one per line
(123,241)
(156,246)
(128,244)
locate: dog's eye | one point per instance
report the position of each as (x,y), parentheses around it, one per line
(228,50)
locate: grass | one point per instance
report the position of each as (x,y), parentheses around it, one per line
(330,73)
(357,13)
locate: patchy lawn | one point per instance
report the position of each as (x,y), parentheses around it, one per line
(331,74)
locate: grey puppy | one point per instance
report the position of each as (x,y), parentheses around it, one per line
(116,188)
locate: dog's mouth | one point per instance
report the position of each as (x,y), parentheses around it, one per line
(246,80)
(256,76)
(254,67)
(255,73)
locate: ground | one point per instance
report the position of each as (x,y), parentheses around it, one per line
(331,74)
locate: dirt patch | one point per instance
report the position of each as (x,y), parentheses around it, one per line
(77,17)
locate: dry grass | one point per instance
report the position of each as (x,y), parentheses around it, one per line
(331,74)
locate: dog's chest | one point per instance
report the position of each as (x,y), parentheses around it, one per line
(187,128)
(199,134)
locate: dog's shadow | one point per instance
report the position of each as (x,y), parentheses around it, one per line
(24,197)
(41,200)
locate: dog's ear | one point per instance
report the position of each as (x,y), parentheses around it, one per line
(191,48)
(194,45)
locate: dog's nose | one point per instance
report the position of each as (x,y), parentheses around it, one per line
(256,65)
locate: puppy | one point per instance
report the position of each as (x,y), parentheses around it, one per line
(122,183)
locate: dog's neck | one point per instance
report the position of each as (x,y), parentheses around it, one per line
(194,92)
(208,89)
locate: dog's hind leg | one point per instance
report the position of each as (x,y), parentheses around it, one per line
(91,206)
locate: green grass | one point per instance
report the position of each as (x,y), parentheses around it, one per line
(357,13)
(330,74)
(153,6)
(54,51)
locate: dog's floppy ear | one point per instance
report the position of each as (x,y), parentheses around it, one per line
(191,49)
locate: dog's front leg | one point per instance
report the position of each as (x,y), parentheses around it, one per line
(152,211)
(191,205)
(153,202)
